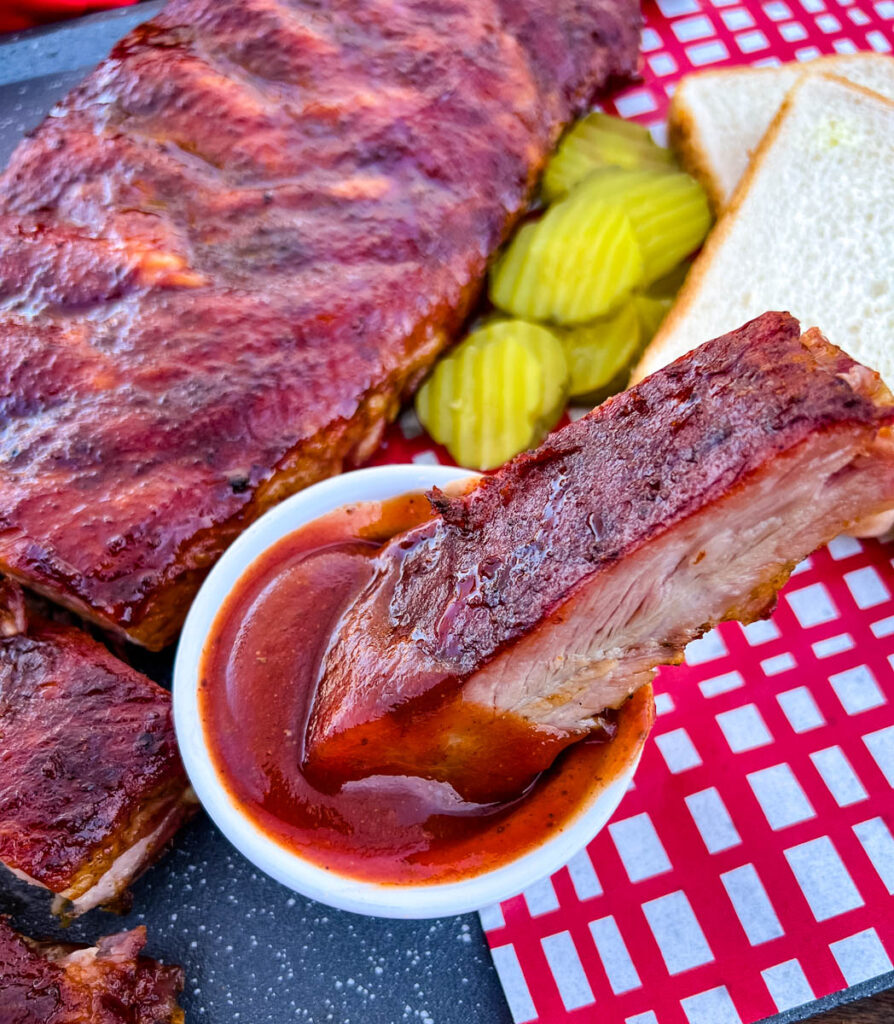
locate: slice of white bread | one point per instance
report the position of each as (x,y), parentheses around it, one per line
(718,118)
(810,230)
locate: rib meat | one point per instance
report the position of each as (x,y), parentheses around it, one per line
(91,783)
(228,254)
(495,634)
(109,983)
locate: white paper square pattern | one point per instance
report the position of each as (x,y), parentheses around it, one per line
(777,11)
(664,703)
(857,689)
(788,985)
(876,839)
(861,956)
(639,847)
(706,648)
(866,587)
(800,709)
(492,917)
(781,797)
(678,751)
(541,897)
(844,546)
(692,28)
(702,54)
(881,745)
(515,987)
(778,663)
(583,876)
(712,1007)
(791,31)
(812,605)
(752,905)
(677,932)
(615,957)
(722,684)
(760,632)
(744,728)
(713,820)
(884,627)
(567,970)
(833,645)
(823,878)
(843,782)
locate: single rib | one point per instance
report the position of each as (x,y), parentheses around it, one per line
(496,634)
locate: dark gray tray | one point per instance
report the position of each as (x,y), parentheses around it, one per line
(253,951)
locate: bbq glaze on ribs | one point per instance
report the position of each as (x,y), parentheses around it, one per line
(228,254)
(109,983)
(494,635)
(91,784)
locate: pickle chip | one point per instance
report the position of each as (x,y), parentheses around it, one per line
(599,140)
(651,312)
(666,287)
(496,394)
(576,263)
(598,352)
(668,210)
(656,301)
(553,366)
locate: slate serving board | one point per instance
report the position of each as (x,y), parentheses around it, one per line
(253,951)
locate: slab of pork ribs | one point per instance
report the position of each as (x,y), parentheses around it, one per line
(229,253)
(109,983)
(496,634)
(91,784)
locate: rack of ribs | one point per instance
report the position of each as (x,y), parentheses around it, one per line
(62,983)
(228,255)
(92,788)
(492,636)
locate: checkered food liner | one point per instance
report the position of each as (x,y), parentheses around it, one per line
(750,869)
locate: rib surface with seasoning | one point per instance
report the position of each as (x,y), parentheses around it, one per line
(228,254)
(92,787)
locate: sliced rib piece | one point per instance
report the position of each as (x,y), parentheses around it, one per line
(91,784)
(109,983)
(229,253)
(494,635)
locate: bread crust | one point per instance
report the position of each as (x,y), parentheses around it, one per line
(685,140)
(684,132)
(653,359)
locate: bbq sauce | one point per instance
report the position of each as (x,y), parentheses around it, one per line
(259,673)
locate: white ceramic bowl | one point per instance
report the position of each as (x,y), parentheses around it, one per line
(362,897)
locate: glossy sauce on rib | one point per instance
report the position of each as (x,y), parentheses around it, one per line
(233,249)
(259,676)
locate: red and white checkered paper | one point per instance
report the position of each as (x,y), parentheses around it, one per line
(750,870)
(751,867)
